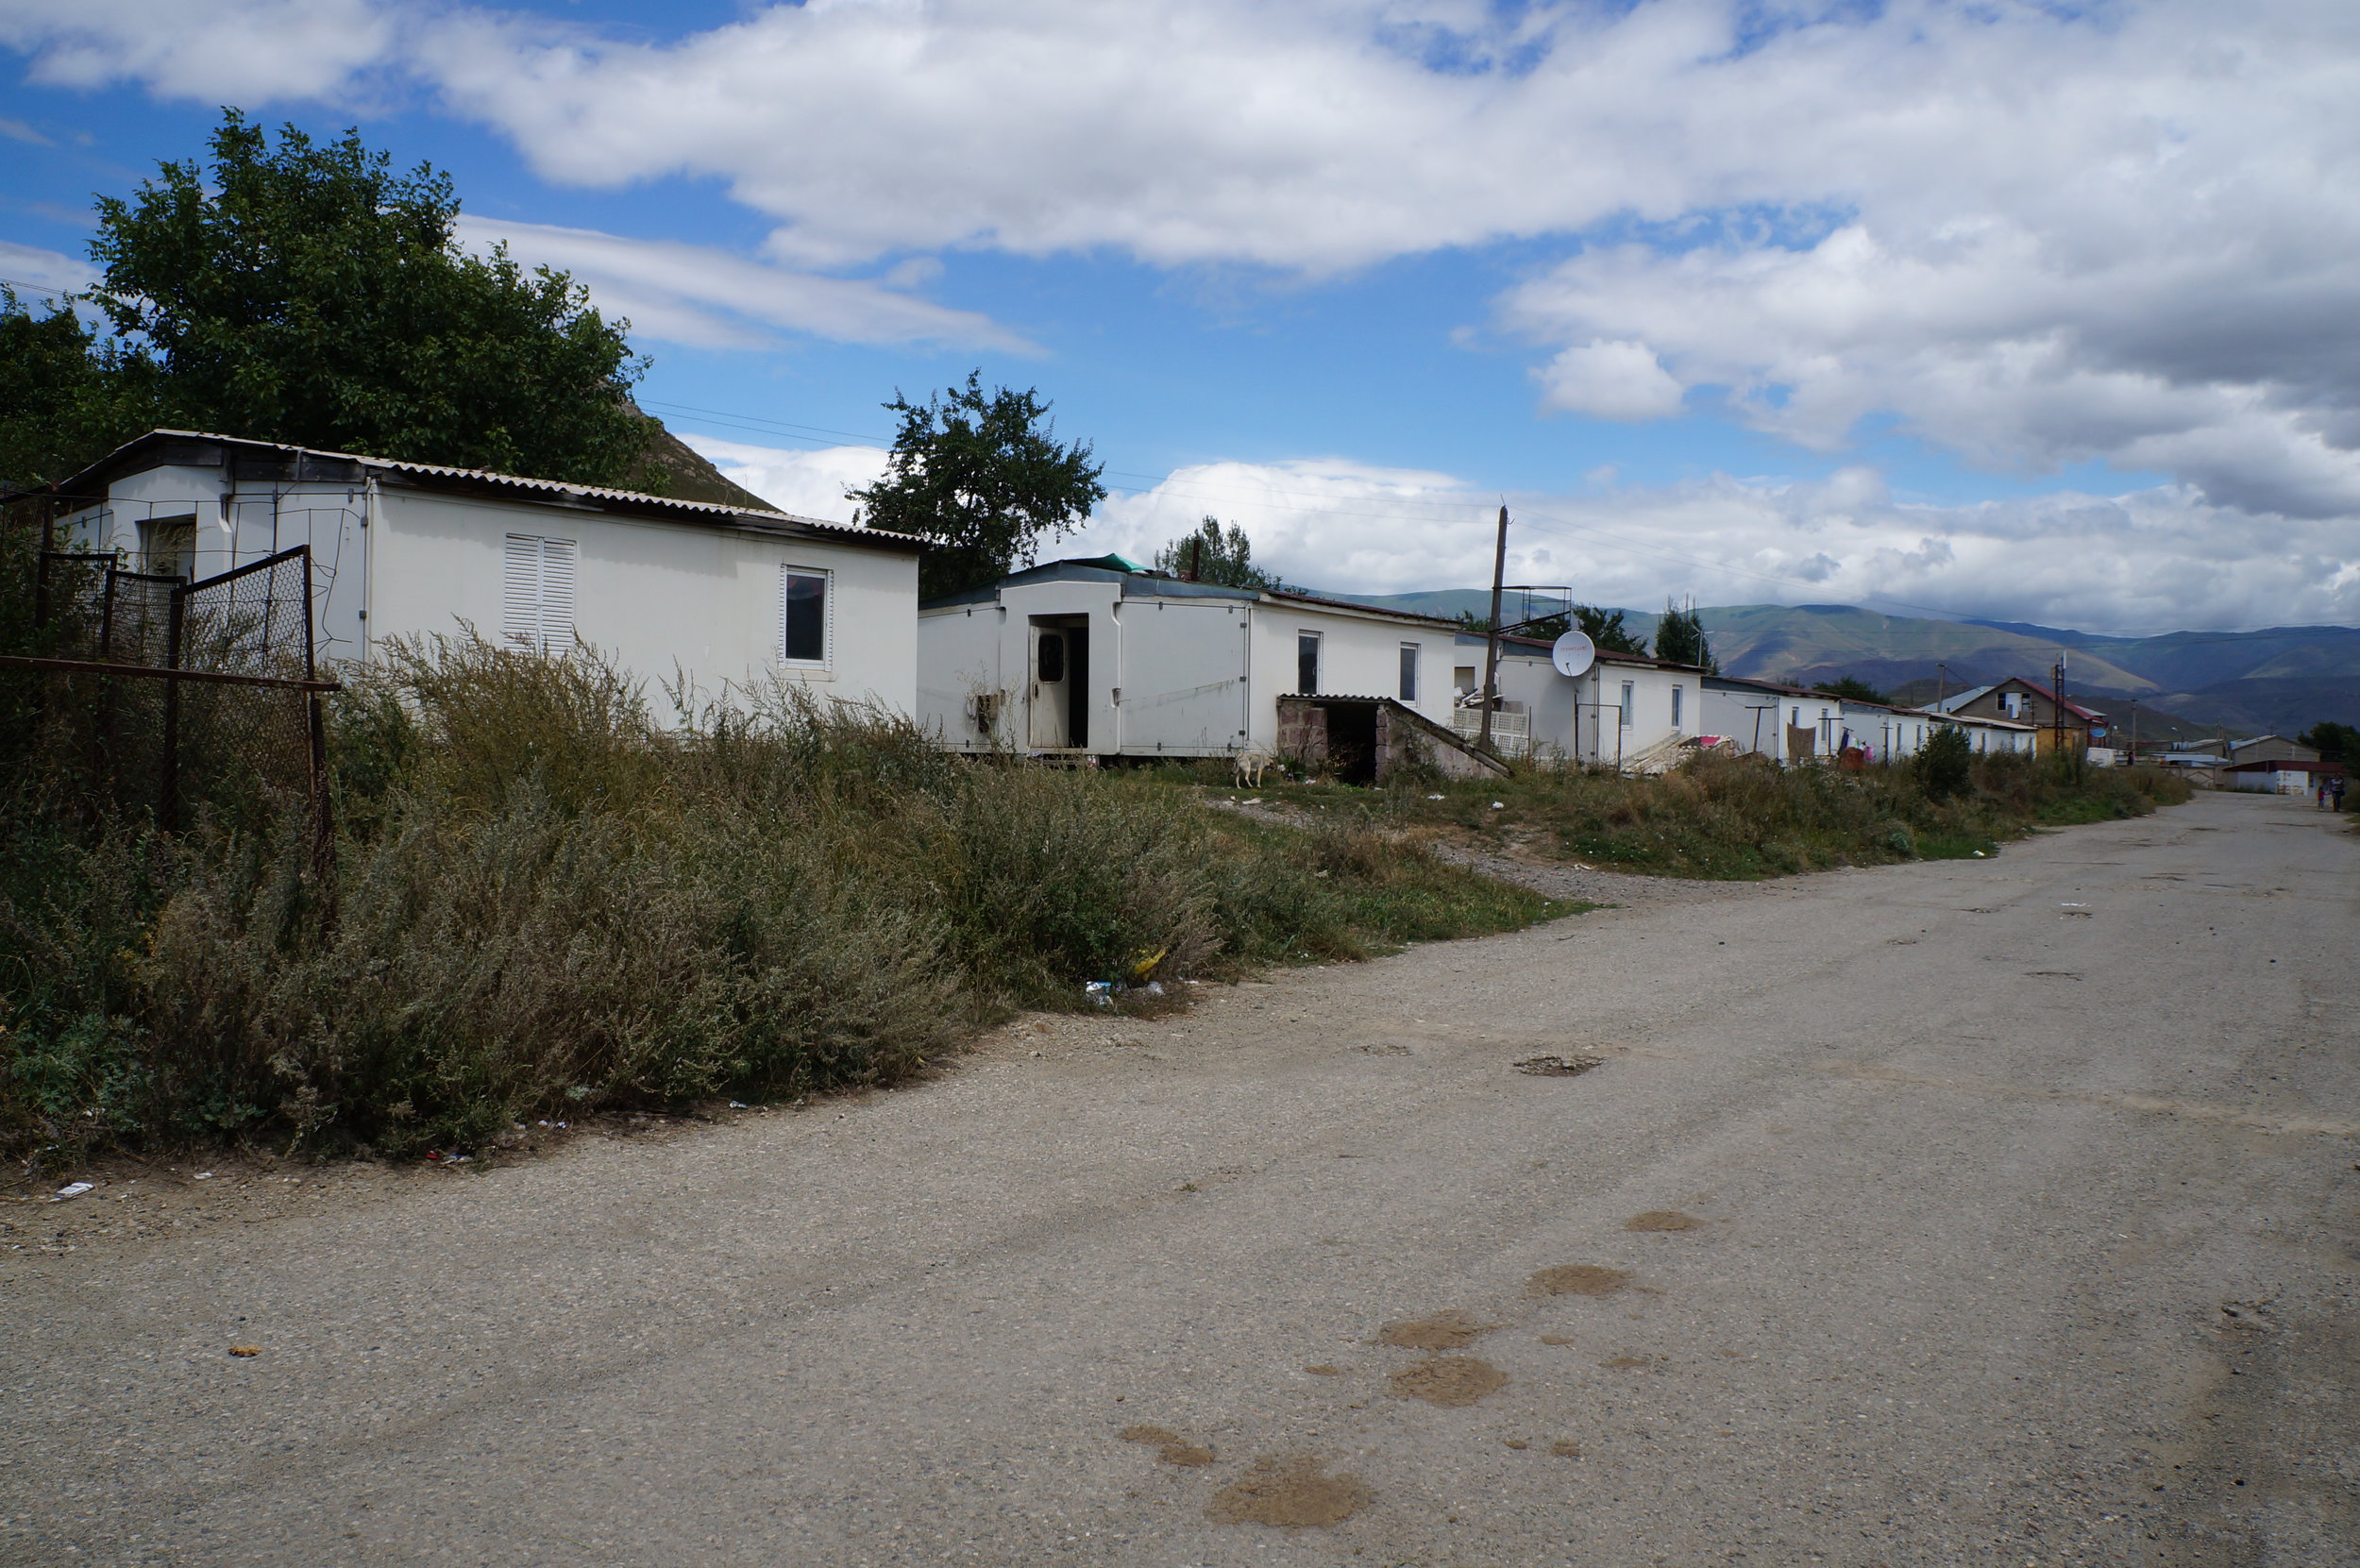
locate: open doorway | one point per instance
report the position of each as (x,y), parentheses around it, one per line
(1057,710)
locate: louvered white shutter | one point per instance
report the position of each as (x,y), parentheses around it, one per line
(557,595)
(520,594)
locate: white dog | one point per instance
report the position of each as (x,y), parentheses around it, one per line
(1248,764)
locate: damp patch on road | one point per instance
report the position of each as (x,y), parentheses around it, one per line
(1580,1279)
(1663,1219)
(1293,1491)
(1171,1446)
(1323,1369)
(1450,1380)
(1558,1066)
(1443,1331)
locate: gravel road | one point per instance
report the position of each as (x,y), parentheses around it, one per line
(1994,1212)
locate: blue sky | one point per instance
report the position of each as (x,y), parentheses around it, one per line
(1927,307)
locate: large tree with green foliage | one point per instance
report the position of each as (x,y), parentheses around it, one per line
(64,394)
(2334,742)
(1607,632)
(1679,638)
(1213,554)
(305,292)
(983,475)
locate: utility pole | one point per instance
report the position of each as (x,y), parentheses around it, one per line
(1491,643)
(2056,718)
(2134,732)
(1941,682)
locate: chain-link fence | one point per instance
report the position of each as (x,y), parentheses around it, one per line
(167,692)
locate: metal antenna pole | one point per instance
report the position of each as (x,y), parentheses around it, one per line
(1492,641)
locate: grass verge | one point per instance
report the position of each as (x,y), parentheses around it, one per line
(1744,817)
(543,904)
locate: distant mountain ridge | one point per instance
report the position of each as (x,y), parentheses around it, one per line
(2279,679)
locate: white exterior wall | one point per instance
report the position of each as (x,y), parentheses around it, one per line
(662,597)
(1170,675)
(1580,718)
(653,594)
(968,650)
(1889,733)
(1985,735)
(235,525)
(1755,721)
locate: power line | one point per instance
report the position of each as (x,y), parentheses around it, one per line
(36,288)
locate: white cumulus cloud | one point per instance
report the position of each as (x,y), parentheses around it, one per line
(212,50)
(2032,234)
(808,483)
(709,298)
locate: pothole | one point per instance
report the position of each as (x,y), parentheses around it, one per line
(1558,1066)
(1451,1380)
(1580,1279)
(1291,1490)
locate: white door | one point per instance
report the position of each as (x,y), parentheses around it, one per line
(1052,668)
(1183,677)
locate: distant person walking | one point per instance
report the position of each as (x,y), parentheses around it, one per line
(2325,789)
(2336,790)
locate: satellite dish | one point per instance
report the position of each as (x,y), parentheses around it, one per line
(1574,653)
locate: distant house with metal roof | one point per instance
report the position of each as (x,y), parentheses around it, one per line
(1103,658)
(2270,748)
(720,594)
(2016,700)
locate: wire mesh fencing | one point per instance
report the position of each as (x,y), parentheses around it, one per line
(177,695)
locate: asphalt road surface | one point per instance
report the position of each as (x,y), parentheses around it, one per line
(2004,1214)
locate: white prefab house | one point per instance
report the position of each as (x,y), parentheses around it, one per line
(1751,714)
(1102,658)
(667,588)
(1626,707)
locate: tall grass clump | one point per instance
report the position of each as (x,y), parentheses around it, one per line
(1725,817)
(545,903)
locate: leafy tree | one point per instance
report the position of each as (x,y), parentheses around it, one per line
(983,476)
(1606,629)
(1679,638)
(64,397)
(1853,687)
(304,293)
(1945,764)
(1212,555)
(2334,742)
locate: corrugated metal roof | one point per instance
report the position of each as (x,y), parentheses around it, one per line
(72,487)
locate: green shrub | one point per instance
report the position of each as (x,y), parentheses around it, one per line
(544,903)
(1945,764)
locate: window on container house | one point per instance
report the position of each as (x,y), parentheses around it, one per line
(1307,663)
(1462,677)
(1679,693)
(1631,692)
(803,616)
(537,593)
(1409,673)
(168,547)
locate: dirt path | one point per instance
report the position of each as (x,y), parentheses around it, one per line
(1975,1212)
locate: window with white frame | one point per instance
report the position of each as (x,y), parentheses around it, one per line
(803,617)
(537,593)
(1409,673)
(1678,696)
(1630,693)
(1307,663)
